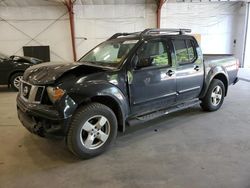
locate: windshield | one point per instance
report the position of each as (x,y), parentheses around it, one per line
(109,53)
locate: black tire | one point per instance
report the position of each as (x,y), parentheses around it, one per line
(207,102)
(76,135)
(13,78)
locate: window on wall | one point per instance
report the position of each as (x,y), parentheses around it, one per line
(40,52)
(184,50)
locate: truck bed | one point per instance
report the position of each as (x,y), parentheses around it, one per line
(226,61)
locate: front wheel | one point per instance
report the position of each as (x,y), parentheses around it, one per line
(92,131)
(214,97)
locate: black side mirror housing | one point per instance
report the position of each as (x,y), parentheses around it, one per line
(146,62)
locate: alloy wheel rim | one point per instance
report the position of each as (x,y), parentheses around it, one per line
(17,81)
(95,132)
(216,95)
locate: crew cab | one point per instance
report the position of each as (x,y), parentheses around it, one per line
(130,77)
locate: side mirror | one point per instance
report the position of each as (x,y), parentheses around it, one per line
(146,62)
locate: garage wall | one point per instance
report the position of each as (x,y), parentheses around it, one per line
(97,22)
(247,48)
(35,25)
(240,20)
(219,23)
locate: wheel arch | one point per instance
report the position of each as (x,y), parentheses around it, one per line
(217,72)
(12,73)
(110,102)
(222,78)
(116,108)
(104,93)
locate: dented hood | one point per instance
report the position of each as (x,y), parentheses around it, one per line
(48,73)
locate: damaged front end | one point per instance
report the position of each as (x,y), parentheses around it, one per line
(44,107)
(42,116)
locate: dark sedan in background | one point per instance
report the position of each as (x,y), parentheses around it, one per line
(13,67)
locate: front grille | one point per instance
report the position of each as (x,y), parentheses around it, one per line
(31,93)
(39,94)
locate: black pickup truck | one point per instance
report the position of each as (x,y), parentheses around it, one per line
(131,76)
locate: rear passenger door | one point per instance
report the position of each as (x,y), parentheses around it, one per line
(152,82)
(189,69)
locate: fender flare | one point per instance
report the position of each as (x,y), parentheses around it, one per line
(89,91)
(218,72)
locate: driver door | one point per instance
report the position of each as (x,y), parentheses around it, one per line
(153,82)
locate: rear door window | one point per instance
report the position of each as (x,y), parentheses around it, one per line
(184,50)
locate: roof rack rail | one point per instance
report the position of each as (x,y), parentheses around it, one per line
(116,35)
(151,31)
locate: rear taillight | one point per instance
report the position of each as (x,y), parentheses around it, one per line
(237,64)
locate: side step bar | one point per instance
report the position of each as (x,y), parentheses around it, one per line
(163,112)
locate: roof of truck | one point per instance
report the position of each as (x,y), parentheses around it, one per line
(148,33)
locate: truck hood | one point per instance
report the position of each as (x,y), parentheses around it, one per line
(48,73)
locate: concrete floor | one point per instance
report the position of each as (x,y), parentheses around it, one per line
(189,149)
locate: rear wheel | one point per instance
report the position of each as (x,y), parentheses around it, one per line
(214,97)
(92,131)
(15,80)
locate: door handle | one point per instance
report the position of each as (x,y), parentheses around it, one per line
(170,73)
(197,68)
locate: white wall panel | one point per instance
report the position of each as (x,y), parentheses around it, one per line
(219,23)
(239,33)
(247,49)
(19,25)
(98,22)
(106,2)
(25,3)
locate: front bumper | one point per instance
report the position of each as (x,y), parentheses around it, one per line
(43,120)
